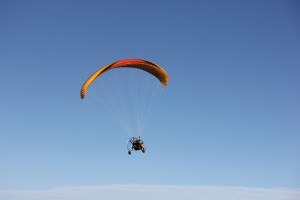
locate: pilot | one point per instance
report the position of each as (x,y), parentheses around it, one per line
(137,144)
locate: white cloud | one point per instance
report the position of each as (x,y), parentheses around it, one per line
(151,192)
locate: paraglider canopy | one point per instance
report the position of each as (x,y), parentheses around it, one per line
(147,66)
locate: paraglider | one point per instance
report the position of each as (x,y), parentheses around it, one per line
(137,104)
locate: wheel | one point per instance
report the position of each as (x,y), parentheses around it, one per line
(129,152)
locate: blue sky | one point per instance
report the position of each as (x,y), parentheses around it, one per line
(229,116)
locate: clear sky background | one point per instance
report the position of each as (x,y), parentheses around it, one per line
(230,115)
